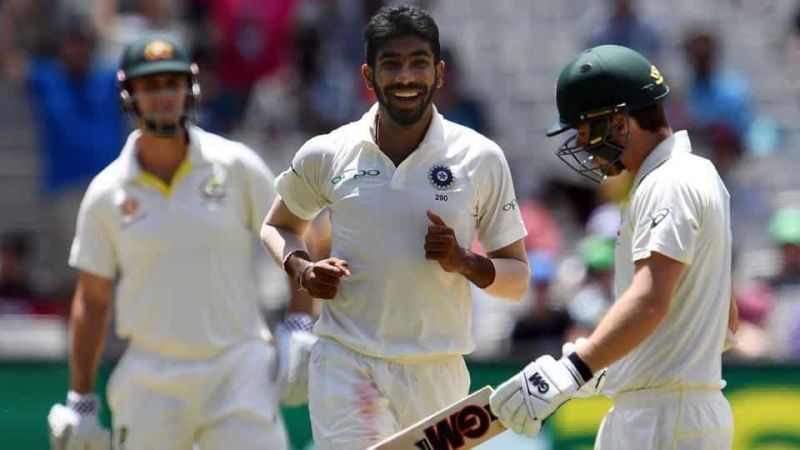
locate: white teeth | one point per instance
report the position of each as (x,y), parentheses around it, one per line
(406,94)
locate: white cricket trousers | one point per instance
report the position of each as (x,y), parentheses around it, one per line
(680,418)
(357,400)
(228,401)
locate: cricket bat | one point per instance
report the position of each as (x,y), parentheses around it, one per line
(462,425)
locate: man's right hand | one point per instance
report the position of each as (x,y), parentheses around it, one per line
(75,426)
(321,279)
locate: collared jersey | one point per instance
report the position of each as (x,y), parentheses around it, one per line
(182,255)
(396,304)
(679,207)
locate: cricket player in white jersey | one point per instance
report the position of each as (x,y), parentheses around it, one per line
(406,190)
(168,231)
(662,340)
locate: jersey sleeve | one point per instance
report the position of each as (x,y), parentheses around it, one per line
(666,219)
(93,246)
(260,188)
(499,219)
(301,185)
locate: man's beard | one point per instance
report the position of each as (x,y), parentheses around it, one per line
(405,117)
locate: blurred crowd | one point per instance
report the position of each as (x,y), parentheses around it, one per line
(274,73)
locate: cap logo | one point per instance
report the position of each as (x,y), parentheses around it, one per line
(656,75)
(158,50)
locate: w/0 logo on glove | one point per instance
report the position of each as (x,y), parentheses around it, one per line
(526,400)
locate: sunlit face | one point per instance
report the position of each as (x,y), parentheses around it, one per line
(583,139)
(405,78)
(590,149)
(161,98)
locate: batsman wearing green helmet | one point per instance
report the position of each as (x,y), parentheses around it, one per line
(167,234)
(657,352)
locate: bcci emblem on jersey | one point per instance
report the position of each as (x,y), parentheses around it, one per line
(441,177)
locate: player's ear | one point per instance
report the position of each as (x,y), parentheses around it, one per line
(367,74)
(440,66)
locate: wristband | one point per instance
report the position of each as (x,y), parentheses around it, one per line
(301,253)
(300,286)
(83,404)
(298,322)
(580,371)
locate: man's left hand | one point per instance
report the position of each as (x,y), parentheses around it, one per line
(441,245)
(526,400)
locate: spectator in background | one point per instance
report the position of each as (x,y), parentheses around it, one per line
(784,325)
(715,97)
(784,228)
(253,40)
(770,308)
(307,97)
(81,126)
(626,27)
(544,234)
(596,294)
(453,101)
(118,25)
(16,289)
(543,326)
(793,41)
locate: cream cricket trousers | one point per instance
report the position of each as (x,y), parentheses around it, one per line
(356,400)
(229,401)
(668,419)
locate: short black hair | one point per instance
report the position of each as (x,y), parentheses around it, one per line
(400,21)
(651,118)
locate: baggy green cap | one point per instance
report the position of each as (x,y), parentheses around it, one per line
(604,77)
(155,53)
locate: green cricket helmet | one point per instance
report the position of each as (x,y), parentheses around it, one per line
(156,53)
(598,83)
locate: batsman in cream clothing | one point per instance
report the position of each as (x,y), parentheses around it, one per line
(168,232)
(406,189)
(664,336)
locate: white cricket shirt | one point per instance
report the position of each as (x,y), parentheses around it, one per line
(679,207)
(396,304)
(182,255)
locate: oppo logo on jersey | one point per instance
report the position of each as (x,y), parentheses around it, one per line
(471,422)
(355,174)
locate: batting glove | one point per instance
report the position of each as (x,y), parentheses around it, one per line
(526,400)
(294,340)
(592,387)
(75,426)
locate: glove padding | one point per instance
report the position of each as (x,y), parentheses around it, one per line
(592,387)
(70,430)
(526,400)
(294,339)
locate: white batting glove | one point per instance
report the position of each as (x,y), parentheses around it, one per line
(530,397)
(294,340)
(592,387)
(75,426)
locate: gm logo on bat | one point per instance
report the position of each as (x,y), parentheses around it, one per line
(471,422)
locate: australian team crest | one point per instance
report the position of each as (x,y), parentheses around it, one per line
(441,177)
(214,186)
